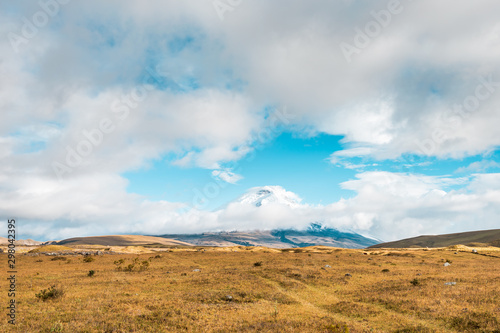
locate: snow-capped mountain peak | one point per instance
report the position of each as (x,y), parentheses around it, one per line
(260,196)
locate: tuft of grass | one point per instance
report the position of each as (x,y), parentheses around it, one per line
(415,282)
(257,264)
(91,273)
(464,324)
(88,259)
(53,292)
(129,268)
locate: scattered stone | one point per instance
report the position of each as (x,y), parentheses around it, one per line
(474,251)
(229,298)
(446,264)
(348,275)
(98,253)
(370,258)
(328,266)
(450,283)
(418,274)
(456,252)
(196,270)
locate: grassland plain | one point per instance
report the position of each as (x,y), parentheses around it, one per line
(260,290)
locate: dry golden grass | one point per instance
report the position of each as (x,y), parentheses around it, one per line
(292,291)
(50,248)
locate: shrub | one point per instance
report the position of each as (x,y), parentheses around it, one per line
(144,266)
(337,328)
(129,268)
(91,273)
(257,264)
(51,293)
(385,270)
(119,262)
(415,282)
(88,259)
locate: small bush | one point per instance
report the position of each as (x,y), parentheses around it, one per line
(415,282)
(257,264)
(119,262)
(144,266)
(91,273)
(88,259)
(385,270)
(337,328)
(129,268)
(51,293)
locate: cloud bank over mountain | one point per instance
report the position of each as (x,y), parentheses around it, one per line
(92,90)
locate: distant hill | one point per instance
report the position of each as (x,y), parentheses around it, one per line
(314,235)
(119,240)
(26,242)
(473,238)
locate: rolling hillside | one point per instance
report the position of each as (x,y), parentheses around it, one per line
(119,240)
(473,238)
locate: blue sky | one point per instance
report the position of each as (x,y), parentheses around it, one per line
(298,164)
(118,118)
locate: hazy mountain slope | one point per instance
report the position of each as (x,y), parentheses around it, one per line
(490,237)
(28,242)
(315,234)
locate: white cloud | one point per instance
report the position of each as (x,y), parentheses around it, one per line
(395,97)
(227,176)
(479,166)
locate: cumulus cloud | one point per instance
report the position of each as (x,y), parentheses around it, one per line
(227,176)
(172,77)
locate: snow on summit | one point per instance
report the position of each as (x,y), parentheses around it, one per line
(261,196)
